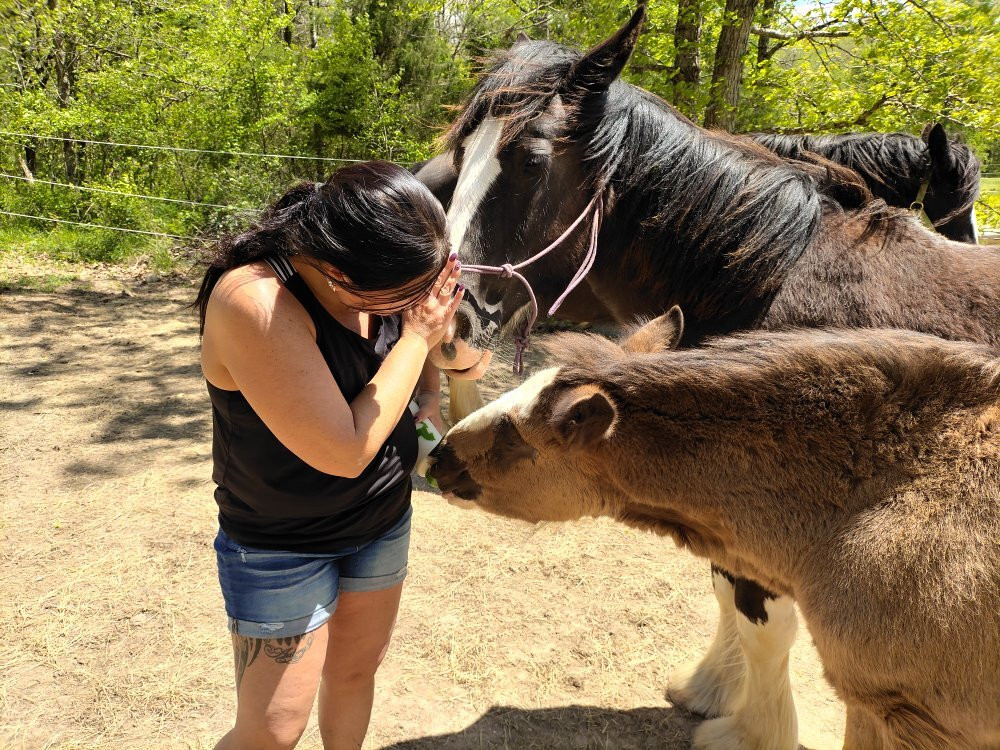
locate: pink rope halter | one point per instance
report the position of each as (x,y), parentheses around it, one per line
(509,270)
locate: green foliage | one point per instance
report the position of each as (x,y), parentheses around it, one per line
(375,78)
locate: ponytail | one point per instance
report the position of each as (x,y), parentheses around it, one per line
(373,222)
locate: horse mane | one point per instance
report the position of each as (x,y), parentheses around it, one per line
(515,86)
(883,159)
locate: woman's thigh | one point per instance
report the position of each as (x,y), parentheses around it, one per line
(371,581)
(276,682)
(359,633)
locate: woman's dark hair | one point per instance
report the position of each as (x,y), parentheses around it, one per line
(374,222)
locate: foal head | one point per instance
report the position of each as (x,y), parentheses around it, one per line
(536,452)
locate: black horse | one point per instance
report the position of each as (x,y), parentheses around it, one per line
(737,236)
(929,173)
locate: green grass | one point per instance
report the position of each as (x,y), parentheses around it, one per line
(989,193)
(76,245)
(990,185)
(48,258)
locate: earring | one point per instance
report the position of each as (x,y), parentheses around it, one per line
(330,284)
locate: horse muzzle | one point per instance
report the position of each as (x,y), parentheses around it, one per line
(475,330)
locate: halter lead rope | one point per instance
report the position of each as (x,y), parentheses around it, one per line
(918,204)
(509,270)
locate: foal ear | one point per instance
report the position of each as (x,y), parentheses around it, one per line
(601,65)
(521,38)
(940,149)
(583,416)
(658,335)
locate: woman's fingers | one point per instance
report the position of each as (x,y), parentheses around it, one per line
(451,282)
(456,300)
(447,272)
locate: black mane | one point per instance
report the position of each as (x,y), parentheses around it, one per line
(719,213)
(892,164)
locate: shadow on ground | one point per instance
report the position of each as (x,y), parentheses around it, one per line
(566,728)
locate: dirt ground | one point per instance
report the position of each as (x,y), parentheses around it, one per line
(510,636)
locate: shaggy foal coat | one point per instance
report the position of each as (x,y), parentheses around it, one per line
(856,471)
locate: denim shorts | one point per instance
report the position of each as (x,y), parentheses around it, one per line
(277,594)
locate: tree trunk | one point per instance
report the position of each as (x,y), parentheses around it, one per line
(687,62)
(286,33)
(766,16)
(727,73)
(65,70)
(30,161)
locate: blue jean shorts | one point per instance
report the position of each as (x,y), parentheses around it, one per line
(277,594)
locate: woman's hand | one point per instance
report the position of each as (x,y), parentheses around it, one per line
(429,407)
(430,318)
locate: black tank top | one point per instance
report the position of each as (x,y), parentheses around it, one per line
(268,497)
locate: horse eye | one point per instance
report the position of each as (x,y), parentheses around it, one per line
(534,161)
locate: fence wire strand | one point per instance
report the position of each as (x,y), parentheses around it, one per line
(99,226)
(188,150)
(34,180)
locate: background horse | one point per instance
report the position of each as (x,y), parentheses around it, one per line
(929,173)
(736,235)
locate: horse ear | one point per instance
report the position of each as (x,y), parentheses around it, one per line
(521,38)
(658,335)
(583,416)
(601,65)
(940,149)
(926,131)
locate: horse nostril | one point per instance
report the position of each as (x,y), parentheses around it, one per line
(463,325)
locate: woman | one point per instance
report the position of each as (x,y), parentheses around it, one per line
(316,328)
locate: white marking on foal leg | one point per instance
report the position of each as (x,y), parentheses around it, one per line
(708,687)
(480,167)
(763,715)
(463,399)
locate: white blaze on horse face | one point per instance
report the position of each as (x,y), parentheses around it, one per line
(480,167)
(520,401)
(975,227)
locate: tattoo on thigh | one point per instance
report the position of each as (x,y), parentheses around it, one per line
(288,650)
(282,650)
(245,652)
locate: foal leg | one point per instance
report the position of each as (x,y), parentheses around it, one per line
(463,399)
(708,687)
(763,714)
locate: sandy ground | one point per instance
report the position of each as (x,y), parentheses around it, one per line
(112,623)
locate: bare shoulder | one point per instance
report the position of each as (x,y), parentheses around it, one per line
(251,298)
(250,314)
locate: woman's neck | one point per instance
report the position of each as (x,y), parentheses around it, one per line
(324,290)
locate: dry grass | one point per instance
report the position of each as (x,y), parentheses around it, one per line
(509,636)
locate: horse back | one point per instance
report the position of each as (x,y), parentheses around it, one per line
(901,277)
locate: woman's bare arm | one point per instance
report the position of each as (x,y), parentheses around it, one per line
(265,341)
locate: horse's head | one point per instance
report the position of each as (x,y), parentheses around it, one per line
(952,185)
(521,179)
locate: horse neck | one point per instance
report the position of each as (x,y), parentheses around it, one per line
(693,219)
(892,170)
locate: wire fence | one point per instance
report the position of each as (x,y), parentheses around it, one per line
(154,147)
(993,221)
(35,180)
(184,149)
(99,226)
